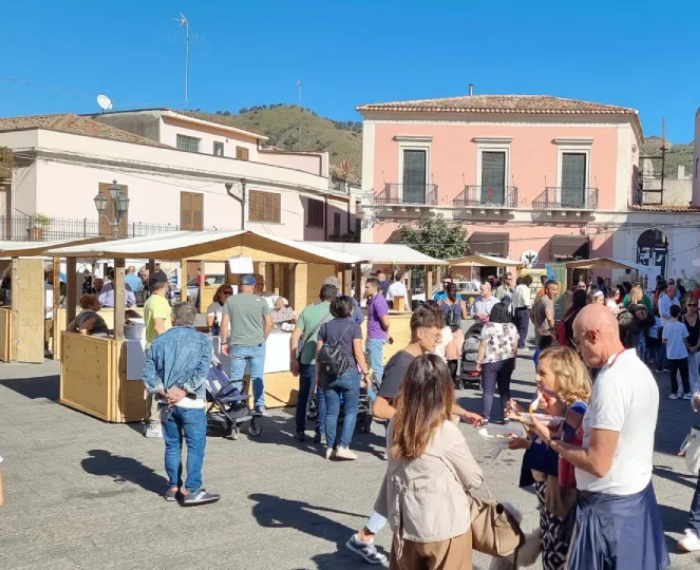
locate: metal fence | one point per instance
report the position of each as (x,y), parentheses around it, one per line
(30,228)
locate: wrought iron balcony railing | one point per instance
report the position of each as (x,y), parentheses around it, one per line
(567,199)
(487,197)
(407,194)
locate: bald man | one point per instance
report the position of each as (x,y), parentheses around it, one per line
(618,519)
(481,309)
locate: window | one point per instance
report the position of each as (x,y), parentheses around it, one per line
(336,224)
(264,207)
(315,214)
(190,144)
(105,227)
(493,177)
(191,211)
(241,153)
(218,149)
(573,179)
(414,176)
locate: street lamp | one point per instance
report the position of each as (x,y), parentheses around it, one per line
(119,201)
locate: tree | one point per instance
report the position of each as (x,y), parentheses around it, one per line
(435,237)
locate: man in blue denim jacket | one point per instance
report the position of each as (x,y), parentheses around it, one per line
(177,363)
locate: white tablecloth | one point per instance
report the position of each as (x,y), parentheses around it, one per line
(135,358)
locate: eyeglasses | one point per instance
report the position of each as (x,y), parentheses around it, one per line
(576,341)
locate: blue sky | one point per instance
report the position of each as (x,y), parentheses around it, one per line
(632,53)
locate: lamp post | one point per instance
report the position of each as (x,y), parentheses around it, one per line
(119,203)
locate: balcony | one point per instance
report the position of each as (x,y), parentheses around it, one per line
(567,199)
(407,195)
(487,197)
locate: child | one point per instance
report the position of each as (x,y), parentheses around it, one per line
(675,337)
(652,337)
(565,384)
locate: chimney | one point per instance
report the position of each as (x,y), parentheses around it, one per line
(471,89)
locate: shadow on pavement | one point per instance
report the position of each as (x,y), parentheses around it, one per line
(34,388)
(102,463)
(680,478)
(275,512)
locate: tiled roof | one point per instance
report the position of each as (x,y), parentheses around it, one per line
(218,120)
(531,104)
(665,208)
(74,124)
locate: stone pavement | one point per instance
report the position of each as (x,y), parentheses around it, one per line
(84,494)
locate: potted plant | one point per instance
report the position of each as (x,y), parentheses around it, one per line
(40,222)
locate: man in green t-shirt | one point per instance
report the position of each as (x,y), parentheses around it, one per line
(251,323)
(303,342)
(157,316)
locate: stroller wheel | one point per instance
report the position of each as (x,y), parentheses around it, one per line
(254,429)
(235,433)
(313,410)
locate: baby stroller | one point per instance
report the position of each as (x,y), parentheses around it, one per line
(227,408)
(364,412)
(470,351)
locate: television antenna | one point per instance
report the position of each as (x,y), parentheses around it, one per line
(104,102)
(184,22)
(301,111)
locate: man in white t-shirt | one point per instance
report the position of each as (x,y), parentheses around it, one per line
(614,466)
(397,289)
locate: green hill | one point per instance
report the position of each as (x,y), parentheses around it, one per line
(676,154)
(342,139)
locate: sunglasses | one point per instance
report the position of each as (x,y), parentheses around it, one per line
(691,305)
(227,292)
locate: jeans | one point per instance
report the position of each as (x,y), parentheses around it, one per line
(694,518)
(496,374)
(375,522)
(521,320)
(694,372)
(307,379)
(375,355)
(661,356)
(641,346)
(192,424)
(254,356)
(678,366)
(347,384)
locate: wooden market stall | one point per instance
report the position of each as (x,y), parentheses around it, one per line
(395,255)
(26,320)
(102,376)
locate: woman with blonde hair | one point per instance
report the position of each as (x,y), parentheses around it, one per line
(564,386)
(636,296)
(423,494)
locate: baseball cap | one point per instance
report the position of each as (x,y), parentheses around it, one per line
(248,280)
(158,278)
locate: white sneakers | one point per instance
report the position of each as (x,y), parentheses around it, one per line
(154,431)
(690,542)
(340,453)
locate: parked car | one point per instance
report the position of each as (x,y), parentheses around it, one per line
(193,287)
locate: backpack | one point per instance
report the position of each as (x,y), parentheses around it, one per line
(330,358)
(452,319)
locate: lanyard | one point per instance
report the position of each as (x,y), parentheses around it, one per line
(613,360)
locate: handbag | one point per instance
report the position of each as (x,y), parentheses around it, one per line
(494,529)
(306,338)
(691,446)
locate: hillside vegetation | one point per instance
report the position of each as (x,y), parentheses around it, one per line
(676,154)
(341,139)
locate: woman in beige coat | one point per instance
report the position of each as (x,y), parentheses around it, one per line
(430,466)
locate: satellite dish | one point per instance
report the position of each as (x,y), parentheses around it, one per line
(104,102)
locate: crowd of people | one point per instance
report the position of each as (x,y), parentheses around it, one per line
(591,473)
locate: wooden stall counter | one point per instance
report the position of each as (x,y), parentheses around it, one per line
(6,346)
(93,379)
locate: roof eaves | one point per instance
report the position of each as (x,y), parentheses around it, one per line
(187,116)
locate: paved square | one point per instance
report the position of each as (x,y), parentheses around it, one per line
(84,494)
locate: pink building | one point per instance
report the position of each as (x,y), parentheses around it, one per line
(521,173)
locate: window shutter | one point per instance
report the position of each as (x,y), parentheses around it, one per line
(198,212)
(185,211)
(573,179)
(242,153)
(264,207)
(493,177)
(414,176)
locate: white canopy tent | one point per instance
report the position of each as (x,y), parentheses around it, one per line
(479,260)
(381,253)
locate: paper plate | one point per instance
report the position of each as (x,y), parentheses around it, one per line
(546,420)
(501,433)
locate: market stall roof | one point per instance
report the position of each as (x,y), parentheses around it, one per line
(604,263)
(38,248)
(393,253)
(478,260)
(208,246)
